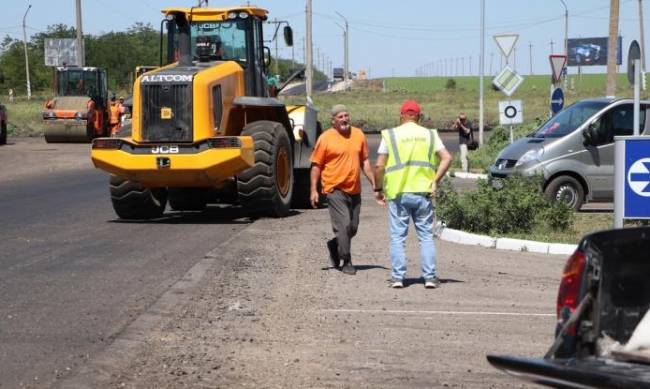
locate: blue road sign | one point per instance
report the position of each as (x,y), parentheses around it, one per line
(557,100)
(637,178)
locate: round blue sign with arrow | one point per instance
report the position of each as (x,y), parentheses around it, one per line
(557,100)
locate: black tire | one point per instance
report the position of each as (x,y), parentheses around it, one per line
(566,189)
(266,188)
(3,133)
(187,199)
(133,201)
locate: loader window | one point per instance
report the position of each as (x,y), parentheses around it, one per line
(227,39)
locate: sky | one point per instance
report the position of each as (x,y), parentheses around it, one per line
(387,38)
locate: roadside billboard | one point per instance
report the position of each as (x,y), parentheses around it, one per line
(591,51)
(60,52)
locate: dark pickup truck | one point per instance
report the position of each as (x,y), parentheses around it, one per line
(603,295)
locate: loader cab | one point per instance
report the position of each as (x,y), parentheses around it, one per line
(208,36)
(85,81)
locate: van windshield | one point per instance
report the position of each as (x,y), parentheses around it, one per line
(569,119)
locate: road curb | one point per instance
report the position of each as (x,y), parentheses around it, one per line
(466,238)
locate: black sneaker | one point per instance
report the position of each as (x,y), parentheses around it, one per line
(431,283)
(348,268)
(333,247)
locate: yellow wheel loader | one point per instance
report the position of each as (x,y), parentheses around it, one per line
(204,126)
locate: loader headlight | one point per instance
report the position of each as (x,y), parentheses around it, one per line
(243,15)
(107,143)
(224,142)
(232,15)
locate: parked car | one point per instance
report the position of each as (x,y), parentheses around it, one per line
(3,125)
(603,296)
(573,150)
(586,53)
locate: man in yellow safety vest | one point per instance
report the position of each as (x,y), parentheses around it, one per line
(406,165)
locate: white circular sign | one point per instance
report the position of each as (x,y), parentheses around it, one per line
(642,169)
(510,111)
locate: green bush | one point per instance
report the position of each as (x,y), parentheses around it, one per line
(518,207)
(450,84)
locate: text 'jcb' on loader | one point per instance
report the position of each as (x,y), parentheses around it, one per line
(78,112)
(206,124)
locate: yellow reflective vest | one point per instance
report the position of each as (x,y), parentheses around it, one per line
(412,160)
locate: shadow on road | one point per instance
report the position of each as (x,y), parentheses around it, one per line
(211,215)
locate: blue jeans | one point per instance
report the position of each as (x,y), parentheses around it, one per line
(401,210)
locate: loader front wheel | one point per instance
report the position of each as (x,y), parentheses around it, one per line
(133,201)
(266,188)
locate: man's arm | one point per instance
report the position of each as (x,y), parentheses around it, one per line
(445,161)
(314,176)
(379,178)
(367,171)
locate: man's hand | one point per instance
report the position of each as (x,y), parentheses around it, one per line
(380,198)
(313,198)
(434,186)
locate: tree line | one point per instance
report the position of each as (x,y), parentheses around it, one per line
(117,52)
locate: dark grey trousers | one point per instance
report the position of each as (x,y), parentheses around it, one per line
(344,213)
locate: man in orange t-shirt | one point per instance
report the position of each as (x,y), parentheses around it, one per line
(339,157)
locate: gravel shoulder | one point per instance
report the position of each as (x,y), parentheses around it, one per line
(269,312)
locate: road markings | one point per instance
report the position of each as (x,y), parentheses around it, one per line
(400,312)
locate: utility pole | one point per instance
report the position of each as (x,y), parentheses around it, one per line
(566,28)
(491,58)
(29,88)
(514,58)
(81,52)
(470,65)
(309,75)
(277,70)
(611,48)
(481,72)
(317,57)
(462,66)
(346,64)
(551,46)
(530,51)
(642,35)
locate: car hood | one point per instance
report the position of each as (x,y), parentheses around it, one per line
(518,148)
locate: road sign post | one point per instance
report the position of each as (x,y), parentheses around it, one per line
(510,113)
(631,178)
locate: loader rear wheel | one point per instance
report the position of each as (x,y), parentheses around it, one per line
(133,201)
(3,133)
(187,199)
(266,188)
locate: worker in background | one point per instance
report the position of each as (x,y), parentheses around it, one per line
(338,159)
(411,161)
(114,115)
(12,97)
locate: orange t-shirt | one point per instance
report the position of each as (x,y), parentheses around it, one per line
(340,157)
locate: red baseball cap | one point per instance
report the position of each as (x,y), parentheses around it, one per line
(411,107)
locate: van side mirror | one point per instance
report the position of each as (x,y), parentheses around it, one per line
(590,134)
(288,35)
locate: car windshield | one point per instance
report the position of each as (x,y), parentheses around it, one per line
(222,40)
(77,83)
(569,119)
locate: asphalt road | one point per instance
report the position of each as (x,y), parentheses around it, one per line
(72,277)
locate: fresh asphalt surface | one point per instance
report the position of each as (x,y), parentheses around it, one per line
(72,276)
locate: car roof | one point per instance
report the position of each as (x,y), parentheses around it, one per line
(610,100)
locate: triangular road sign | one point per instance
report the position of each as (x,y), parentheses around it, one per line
(506,43)
(558,62)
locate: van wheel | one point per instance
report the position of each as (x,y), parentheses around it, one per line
(266,188)
(133,201)
(567,190)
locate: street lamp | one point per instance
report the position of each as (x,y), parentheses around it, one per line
(566,28)
(345,56)
(29,89)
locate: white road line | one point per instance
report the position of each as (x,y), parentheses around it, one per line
(392,312)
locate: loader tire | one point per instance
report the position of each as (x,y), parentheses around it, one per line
(133,201)
(187,199)
(266,188)
(3,133)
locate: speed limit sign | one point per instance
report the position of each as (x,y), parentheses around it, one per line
(510,112)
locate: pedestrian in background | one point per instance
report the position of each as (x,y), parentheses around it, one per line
(12,98)
(114,116)
(407,176)
(464,128)
(339,157)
